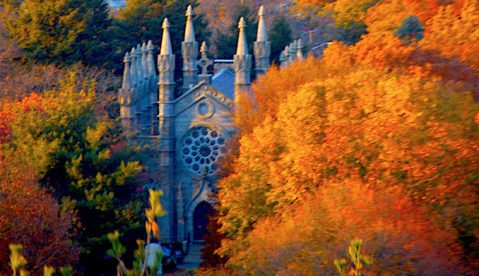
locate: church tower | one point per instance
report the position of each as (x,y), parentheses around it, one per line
(242,63)
(184,138)
(262,47)
(189,50)
(166,126)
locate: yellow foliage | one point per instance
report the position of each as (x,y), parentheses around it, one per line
(386,128)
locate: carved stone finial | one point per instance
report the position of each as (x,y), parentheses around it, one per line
(203,49)
(126,59)
(189,11)
(150,46)
(204,62)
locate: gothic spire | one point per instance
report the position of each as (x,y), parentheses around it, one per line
(166,48)
(242,43)
(242,63)
(144,60)
(150,62)
(133,71)
(262,47)
(126,97)
(189,30)
(203,49)
(139,61)
(262,34)
(126,72)
(189,50)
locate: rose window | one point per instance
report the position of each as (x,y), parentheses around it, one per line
(201,149)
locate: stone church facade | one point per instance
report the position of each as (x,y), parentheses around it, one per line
(185,136)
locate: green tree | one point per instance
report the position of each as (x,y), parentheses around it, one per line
(142,21)
(410,31)
(61,32)
(352,32)
(280,36)
(226,43)
(79,154)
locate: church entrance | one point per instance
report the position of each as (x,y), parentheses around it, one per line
(200,220)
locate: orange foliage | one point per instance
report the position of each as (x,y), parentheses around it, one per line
(451,26)
(30,216)
(455,34)
(401,236)
(397,118)
(385,52)
(383,124)
(271,88)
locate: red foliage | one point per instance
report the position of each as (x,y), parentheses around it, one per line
(31,217)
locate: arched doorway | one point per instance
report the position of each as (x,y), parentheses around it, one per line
(200,220)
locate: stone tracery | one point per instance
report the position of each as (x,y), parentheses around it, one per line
(201,149)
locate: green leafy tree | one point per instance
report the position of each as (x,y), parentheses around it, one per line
(61,32)
(410,31)
(79,154)
(352,32)
(226,43)
(280,36)
(142,21)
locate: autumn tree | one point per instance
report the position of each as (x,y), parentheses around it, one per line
(79,155)
(60,32)
(30,215)
(311,234)
(334,128)
(349,16)
(452,32)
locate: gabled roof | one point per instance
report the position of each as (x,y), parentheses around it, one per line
(224,81)
(198,92)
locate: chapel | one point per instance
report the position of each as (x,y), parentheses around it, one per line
(185,136)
